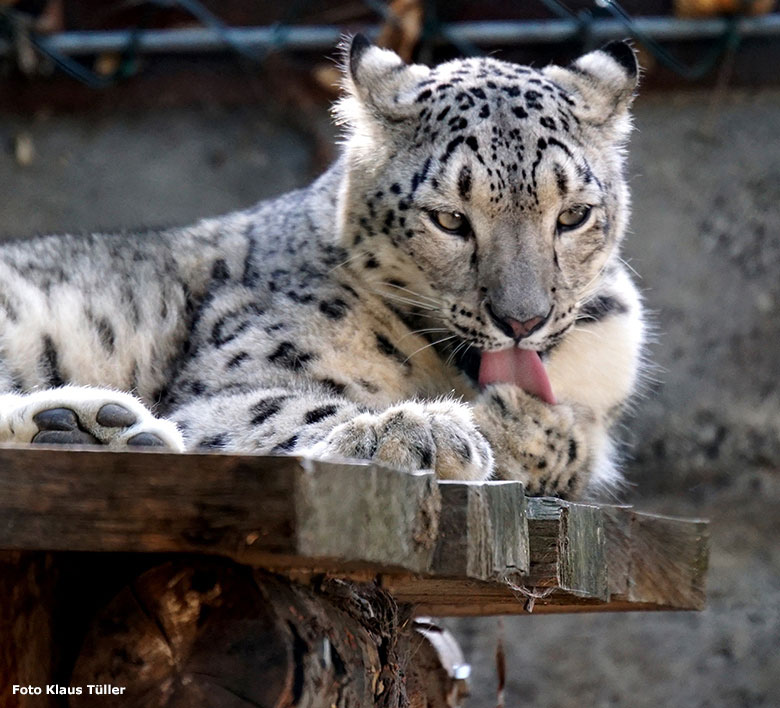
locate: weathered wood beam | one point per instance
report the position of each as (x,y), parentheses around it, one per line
(668,561)
(568,547)
(447,548)
(584,558)
(276,511)
(483,531)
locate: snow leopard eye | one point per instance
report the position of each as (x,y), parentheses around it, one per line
(574,217)
(453,222)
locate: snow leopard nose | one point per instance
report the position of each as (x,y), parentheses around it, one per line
(514,328)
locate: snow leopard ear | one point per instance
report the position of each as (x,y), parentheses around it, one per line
(605,80)
(379,82)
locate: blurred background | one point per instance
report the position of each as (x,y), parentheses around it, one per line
(123,113)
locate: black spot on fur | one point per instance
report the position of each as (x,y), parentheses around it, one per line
(285,446)
(461,448)
(334,309)
(288,356)
(572,450)
(236,360)
(228,327)
(318,414)
(106,334)
(561,180)
(600,307)
(426,457)
(50,363)
(464,183)
(532,100)
(371,262)
(333,386)
(420,177)
(559,144)
(451,148)
(423,96)
(263,410)
(10,310)
(215,442)
(388,349)
(500,403)
(368,386)
(220,271)
(251,274)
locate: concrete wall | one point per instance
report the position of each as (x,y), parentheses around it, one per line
(706,241)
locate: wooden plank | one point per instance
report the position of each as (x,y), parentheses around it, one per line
(669,559)
(261,510)
(447,547)
(453,597)
(366,513)
(617,529)
(568,547)
(483,531)
(649,562)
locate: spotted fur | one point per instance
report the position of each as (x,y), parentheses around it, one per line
(339,320)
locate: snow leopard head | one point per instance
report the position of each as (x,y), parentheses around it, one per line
(487,195)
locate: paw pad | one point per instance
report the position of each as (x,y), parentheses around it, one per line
(60,426)
(146,440)
(65,437)
(57,419)
(112,415)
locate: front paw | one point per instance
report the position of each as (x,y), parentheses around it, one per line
(439,436)
(75,415)
(544,446)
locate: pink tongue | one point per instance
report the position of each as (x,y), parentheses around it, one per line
(521,367)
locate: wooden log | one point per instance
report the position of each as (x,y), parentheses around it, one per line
(215,633)
(483,532)
(271,511)
(27,651)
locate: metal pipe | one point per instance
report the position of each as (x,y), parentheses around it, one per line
(315,38)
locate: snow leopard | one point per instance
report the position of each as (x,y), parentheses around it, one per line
(448,296)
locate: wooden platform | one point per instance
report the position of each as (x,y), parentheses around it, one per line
(443,548)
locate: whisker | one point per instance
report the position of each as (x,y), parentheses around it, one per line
(455,351)
(417,351)
(343,263)
(435,301)
(591,281)
(423,331)
(405,300)
(629,266)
